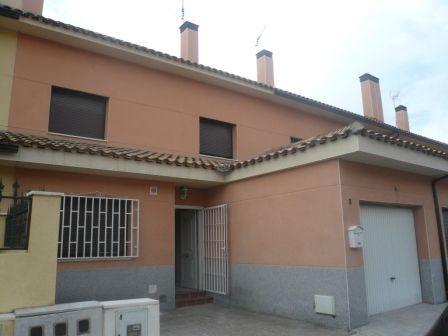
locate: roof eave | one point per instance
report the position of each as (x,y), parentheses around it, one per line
(162,62)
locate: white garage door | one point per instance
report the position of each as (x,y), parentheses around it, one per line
(390,258)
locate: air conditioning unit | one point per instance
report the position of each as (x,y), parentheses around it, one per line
(81,318)
(136,317)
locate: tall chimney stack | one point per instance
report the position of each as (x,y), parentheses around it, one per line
(265,67)
(371,97)
(189,41)
(402,119)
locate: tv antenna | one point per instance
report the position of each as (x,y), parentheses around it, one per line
(257,42)
(182,11)
(394,97)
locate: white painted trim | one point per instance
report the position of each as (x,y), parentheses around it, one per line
(221,158)
(44,193)
(7,317)
(393,156)
(76,137)
(130,303)
(328,151)
(77,260)
(30,157)
(188,207)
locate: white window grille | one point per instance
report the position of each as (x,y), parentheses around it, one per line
(98,227)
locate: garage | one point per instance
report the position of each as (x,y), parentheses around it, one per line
(390,258)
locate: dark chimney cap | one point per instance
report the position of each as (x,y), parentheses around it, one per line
(401,108)
(368,76)
(264,52)
(188,24)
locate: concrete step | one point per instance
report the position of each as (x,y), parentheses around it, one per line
(193,301)
(192,298)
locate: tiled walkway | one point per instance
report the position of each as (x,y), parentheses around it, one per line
(215,320)
(410,321)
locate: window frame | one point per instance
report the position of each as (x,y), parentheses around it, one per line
(106,113)
(232,137)
(294,139)
(133,226)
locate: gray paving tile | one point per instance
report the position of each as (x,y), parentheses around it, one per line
(410,321)
(216,320)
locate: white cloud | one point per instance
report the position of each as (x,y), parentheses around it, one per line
(320,47)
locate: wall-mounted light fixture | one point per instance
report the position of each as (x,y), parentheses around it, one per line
(183,192)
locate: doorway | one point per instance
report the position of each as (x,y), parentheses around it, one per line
(186,248)
(201,249)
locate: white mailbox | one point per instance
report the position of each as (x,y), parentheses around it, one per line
(136,317)
(355,236)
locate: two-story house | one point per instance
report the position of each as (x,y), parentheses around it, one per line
(177,175)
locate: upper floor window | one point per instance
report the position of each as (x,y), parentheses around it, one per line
(77,113)
(216,138)
(295,139)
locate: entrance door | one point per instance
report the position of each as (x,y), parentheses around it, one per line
(214,268)
(187,248)
(390,258)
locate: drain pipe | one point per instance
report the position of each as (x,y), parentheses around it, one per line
(440,229)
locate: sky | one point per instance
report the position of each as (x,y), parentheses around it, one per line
(320,47)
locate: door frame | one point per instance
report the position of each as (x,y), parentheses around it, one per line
(197,209)
(200,241)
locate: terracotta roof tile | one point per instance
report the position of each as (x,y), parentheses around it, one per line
(341,133)
(28,140)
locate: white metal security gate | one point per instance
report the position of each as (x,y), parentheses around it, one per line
(213,250)
(390,258)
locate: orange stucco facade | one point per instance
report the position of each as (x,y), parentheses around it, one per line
(368,184)
(156,212)
(273,219)
(295,218)
(147,108)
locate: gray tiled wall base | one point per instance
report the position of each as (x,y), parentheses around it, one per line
(115,284)
(288,291)
(431,277)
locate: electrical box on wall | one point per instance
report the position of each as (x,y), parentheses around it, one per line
(355,236)
(136,317)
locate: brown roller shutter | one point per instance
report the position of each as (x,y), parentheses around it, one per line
(77,113)
(216,138)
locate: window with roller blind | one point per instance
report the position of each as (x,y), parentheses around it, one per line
(77,113)
(216,138)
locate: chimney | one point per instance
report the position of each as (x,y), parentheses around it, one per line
(402,117)
(34,6)
(189,41)
(371,97)
(265,67)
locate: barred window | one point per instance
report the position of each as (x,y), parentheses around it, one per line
(98,227)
